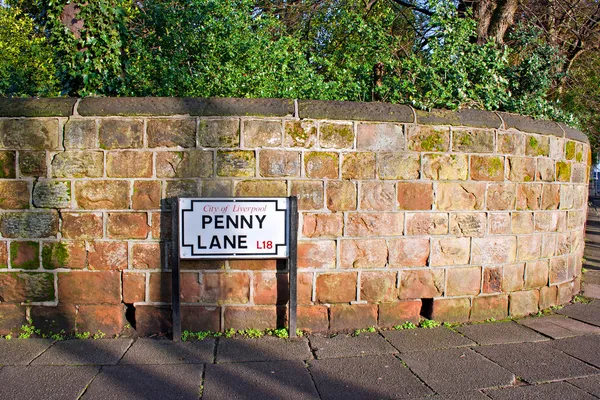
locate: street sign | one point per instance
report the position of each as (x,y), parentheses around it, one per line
(233,228)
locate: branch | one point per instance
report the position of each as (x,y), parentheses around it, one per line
(413,7)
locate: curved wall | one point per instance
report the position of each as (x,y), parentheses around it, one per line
(457,216)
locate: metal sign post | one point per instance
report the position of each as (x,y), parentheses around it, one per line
(230,228)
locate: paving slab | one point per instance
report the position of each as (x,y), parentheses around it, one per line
(263,349)
(425,339)
(84,352)
(370,377)
(556,390)
(22,351)
(590,384)
(142,382)
(258,380)
(457,370)
(471,395)
(558,326)
(45,382)
(368,344)
(585,348)
(500,333)
(589,313)
(536,362)
(163,351)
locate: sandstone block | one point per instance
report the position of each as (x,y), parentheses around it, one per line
(321,165)
(499,223)
(146,195)
(420,284)
(567,193)
(358,165)
(134,287)
(236,163)
(310,194)
(80,134)
(513,277)
(129,164)
(51,194)
(81,225)
(20,287)
(270,288)
(521,169)
(219,132)
(415,195)
(563,171)
(218,188)
(463,281)
(487,168)
(529,196)
(107,255)
(341,196)
(522,222)
(152,320)
(346,317)
(494,250)
(31,163)
(184,164)
(132,225)
(374,224)
(579,173)
(29,224)
(3,255)
(87,287)
(548,245)
(501,196)
(313,318)
(529,247)
(199,318)
(559,271)
(451,310)
(322,225)
(408,252)
(316,254)
(29,134)
(25,255)
(171,132)
(121,133)
(399,312)
(8,164)
(377,196)
(570,150)
(12,316)
(14,194)
(426,223)
(545,170)
(449,251)
(524,303)
(108,319)
(337,287)
(276,163)
(565,292)
(262,133)
(460,196)
(78,164)
(563,244)
(537,145)
(557,148)
(363,253)
(225,288)
(96,195)
(64,255)
(398,166)
(550,197)
(257,317)
(336,135)
(473,140)
(378,287)
(441,167)
(536,274)
(428,138)
(300,133)
(486,307)
(511,143)
(147,256)
(263,189)
(468,224)
(380,137)
(492,280)
(548,297)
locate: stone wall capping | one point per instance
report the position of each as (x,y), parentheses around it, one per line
(528,124)
(465,117)
(350,110)
(571,133)
(53,107)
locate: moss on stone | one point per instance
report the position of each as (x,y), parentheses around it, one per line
(433,142)
(15,250)
(563,171)
(533,143)
(330,132)
(495,166)
(527,178)
(55,255)
(297,133)
(570,150)
(579,156)
(466,140)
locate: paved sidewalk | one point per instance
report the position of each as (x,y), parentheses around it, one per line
(551,357)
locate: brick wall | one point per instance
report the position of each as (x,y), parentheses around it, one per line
(456,215)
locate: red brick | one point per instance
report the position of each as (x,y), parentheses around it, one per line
(305,286)
(23,287)
(363,253)
(341,196)
(109,320)
(146,195)
(252,265)
(107,255)
(322,225)
(345,317)
(134,287)
(421,284)
(524,303)
(153,320)
(375,224)
(64,255)
(463,281)
(415,195)
(451,310)
(492,279)
(82,287)
(12,316)
(377,196)
(257,317)
(313,318)
(162,225)
(548,297)
(337,287)
(129,164)
(270,288)
(486,307)
(225,288)
(200,319)
(378,287)
(399,312)
(316,254)
(147,256)
(161,285)
(128,225)
(3,255)
(99,194)
(54,319)
(81,225)
(14,194)
(25,255)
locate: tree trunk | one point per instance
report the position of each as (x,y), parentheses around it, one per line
(502,19)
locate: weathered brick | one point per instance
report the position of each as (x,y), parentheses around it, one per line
(360,165)
(486,307)
(449,251)
(147,256)
(487,168)
(511,143)
(64,255)
(236,163)
(200,319)
(171,132)
(345,317)
(548,297)
(322,225)
(313,318)
(52,194)
(415,195)
(184,164)
(146,195)
(78,164)
(3,255)
(337,287)
(559,271)
(529,247)
(257,317)
(83,287)
(445,167)
(225,288)
(109,320)
(451,310)
(129,164)
(363,253)
(321,165)
(460,196)
(428,138)
(121,133)
(32,163)
(421,284)
(522,222)
(399,312)
(14,194)
(513,277)
(426,223)
(408,252)
(473,140)
(537,145)
(548,245)
(336,135)
(341,195)
(468,224)
(20,287)
(536,274)
(181,188)
(529,196)
(29,224)
(80,134)
(377,196)
(8,164)
(96,195)
(492,280)
(380,137)
(521,169)
(566,197)
(219,132)
(25,255)
(523,303)
(12,317)
(493,250)
(300,133)
(463,281)
(270,288)
(153,320)
(277,163)
(545,170)
(305,287)
(579,173)
(316,254)
(499,223)
(398,166)
(81,225)
(107,255)
(501,196)
(563,244)
(160,284)
(565,292)
(218,188)
(310,194)
(261,189)
(128,225)
(29,134)
(374,224)
(54,319)
(262,133)
(550,197)
(563,171)
(134,287)
(557,146)
(378,287)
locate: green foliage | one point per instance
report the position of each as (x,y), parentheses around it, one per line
(27,330)
(406,325)
(280,333)
(429,324)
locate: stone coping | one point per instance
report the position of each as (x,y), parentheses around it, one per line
(316,109)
